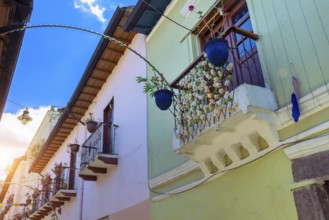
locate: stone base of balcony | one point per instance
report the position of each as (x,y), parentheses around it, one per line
(98,166)
(247,134)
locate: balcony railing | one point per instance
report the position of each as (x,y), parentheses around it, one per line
(223,115)
(205,93)
(54,194)
(98,152)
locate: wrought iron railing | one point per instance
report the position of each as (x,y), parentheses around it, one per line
(205,92)
(59,182)
(96,144)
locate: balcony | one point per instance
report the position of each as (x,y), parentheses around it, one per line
(97,155)
(225,115)
(54,194)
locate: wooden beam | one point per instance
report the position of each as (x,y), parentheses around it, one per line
(98,78)
(69,194)
(108,61)
(103,71)
(108,160)
(114,51)
(94,87)
(63,199)
(97,169)
(88,177)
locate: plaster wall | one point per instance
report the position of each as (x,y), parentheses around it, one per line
(260,190)
(125,185)
(293,42)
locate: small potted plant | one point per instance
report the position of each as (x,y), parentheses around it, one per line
(28,198)
(46,180)
(157,88)
(35,194)
(91,124)
(57,169)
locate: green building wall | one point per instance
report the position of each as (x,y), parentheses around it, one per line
(294,40)
(260,190)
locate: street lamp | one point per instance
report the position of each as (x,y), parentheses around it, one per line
(25,117)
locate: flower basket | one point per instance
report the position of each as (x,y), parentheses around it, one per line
(28,201)
(91,126)
(217,51)
(163,98)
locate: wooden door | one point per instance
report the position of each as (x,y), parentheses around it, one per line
(107,128)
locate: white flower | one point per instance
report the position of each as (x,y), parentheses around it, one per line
(200,97)
(220,73)
(229,67)
(195,88)
(204,63)
(217,85)
(209,95)
(221,91)
(227,94)
(208,76)
(212,72)
(205,55)
(216,96)
(200,87)
(227,82)
(212,101)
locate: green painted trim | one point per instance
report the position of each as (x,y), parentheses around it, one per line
(305,124)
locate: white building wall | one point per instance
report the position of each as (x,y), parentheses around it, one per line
(125,185)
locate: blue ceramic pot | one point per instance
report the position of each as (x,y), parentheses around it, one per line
(217,51)
(163,98)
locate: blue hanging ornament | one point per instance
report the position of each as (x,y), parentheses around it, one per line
(295,108)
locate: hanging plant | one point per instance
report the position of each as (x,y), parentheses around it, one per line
(217,51)
(74,148)
(157,88)
(46,180)
(91,123)
(57,169)
(28,198)
(36,193)
(217,47)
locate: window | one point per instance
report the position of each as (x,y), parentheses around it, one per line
(243,50)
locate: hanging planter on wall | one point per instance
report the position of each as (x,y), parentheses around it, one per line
(91,124)
(75,147)
(217,51)
(163,99)
(157,87)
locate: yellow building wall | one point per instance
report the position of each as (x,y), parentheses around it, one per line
(257,191)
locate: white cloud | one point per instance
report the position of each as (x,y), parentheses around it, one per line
(91,6)
(15,137)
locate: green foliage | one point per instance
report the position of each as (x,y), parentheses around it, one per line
(32,151)
(151,85)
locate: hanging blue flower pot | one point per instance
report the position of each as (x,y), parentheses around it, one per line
(217,51)
(295,108)
(163,98)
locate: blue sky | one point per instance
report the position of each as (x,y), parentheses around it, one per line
(50,65)
(52,61)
